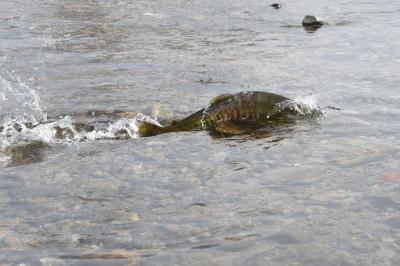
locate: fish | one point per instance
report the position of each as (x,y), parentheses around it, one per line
(256,114)
(225,115)
(230,114)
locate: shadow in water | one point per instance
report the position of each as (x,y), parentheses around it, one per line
(311,29)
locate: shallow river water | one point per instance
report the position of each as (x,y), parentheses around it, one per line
(324,192)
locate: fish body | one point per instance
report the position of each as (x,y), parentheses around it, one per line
(226,113)
(244,107)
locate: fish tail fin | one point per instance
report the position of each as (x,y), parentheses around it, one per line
(147,129)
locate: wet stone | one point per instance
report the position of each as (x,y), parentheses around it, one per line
(17,127)
(63,133)
(276,5)
(312,23)
(122,134)
(309,21)
(26,153)
(29,125)
(81,127)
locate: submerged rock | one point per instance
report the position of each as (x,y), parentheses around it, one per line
(313,21)
(25,153)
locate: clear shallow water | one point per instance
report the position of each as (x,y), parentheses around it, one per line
(323,193)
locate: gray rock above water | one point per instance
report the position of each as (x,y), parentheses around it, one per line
(312,21)
(276,5)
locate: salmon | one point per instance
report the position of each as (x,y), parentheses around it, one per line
(229,113)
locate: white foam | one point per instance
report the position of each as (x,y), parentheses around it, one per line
(46,132)
(304,106)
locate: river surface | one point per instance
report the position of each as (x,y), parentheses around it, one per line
(324,192)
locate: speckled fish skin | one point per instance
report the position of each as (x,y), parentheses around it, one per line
(244,107)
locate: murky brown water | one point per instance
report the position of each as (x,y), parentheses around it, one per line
(325,192)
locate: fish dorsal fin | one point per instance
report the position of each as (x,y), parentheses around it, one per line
(221,98)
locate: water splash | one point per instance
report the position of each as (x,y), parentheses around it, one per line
(20,102)
(202,119)
(24,124)
(65,130)
(303,106)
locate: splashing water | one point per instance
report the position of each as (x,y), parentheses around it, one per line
(307,105)
(303,106)
(22,122)
(18,101)
(64,131)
